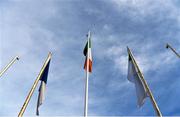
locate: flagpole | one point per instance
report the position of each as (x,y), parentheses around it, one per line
(9,65)
(34,86)
(86,93)
(168,46)
(87,80)
(156,108)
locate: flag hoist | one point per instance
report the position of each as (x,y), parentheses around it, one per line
(168,46)
(88,69)
(9,65)
(42,76)
(142,89)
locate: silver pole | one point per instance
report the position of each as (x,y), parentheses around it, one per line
(87,81)
(9,65)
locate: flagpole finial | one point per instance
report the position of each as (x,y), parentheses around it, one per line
(167,45)
(50,54)
(17,57)
(89,33)
(128,49)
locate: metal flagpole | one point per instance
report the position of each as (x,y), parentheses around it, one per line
(158,112)
(34,86)
(87,80)
(86,93)
(9,65)
(168,46)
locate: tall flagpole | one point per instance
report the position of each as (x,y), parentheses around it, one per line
(34,86)
(168,46)
(87,81)
(156,108)
(9,65)
(86,92)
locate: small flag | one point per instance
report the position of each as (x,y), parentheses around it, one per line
(88,54)
(134,77)
(42,87)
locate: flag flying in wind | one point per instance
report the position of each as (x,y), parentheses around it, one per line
(42,87)
(88,54)
(135,77)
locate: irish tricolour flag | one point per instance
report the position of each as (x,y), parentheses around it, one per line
(88,54)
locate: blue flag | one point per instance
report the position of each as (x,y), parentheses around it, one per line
(42,87)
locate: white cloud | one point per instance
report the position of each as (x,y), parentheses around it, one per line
(146,61)
(139,9)
(32,28)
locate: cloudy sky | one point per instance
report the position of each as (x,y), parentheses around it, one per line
(32,28)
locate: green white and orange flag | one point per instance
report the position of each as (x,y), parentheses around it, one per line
(88,54)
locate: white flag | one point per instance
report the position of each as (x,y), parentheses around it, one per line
(135,78)
(41,96)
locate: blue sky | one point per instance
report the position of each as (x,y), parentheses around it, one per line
(31,28)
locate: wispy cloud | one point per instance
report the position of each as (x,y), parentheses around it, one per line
(33,28)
